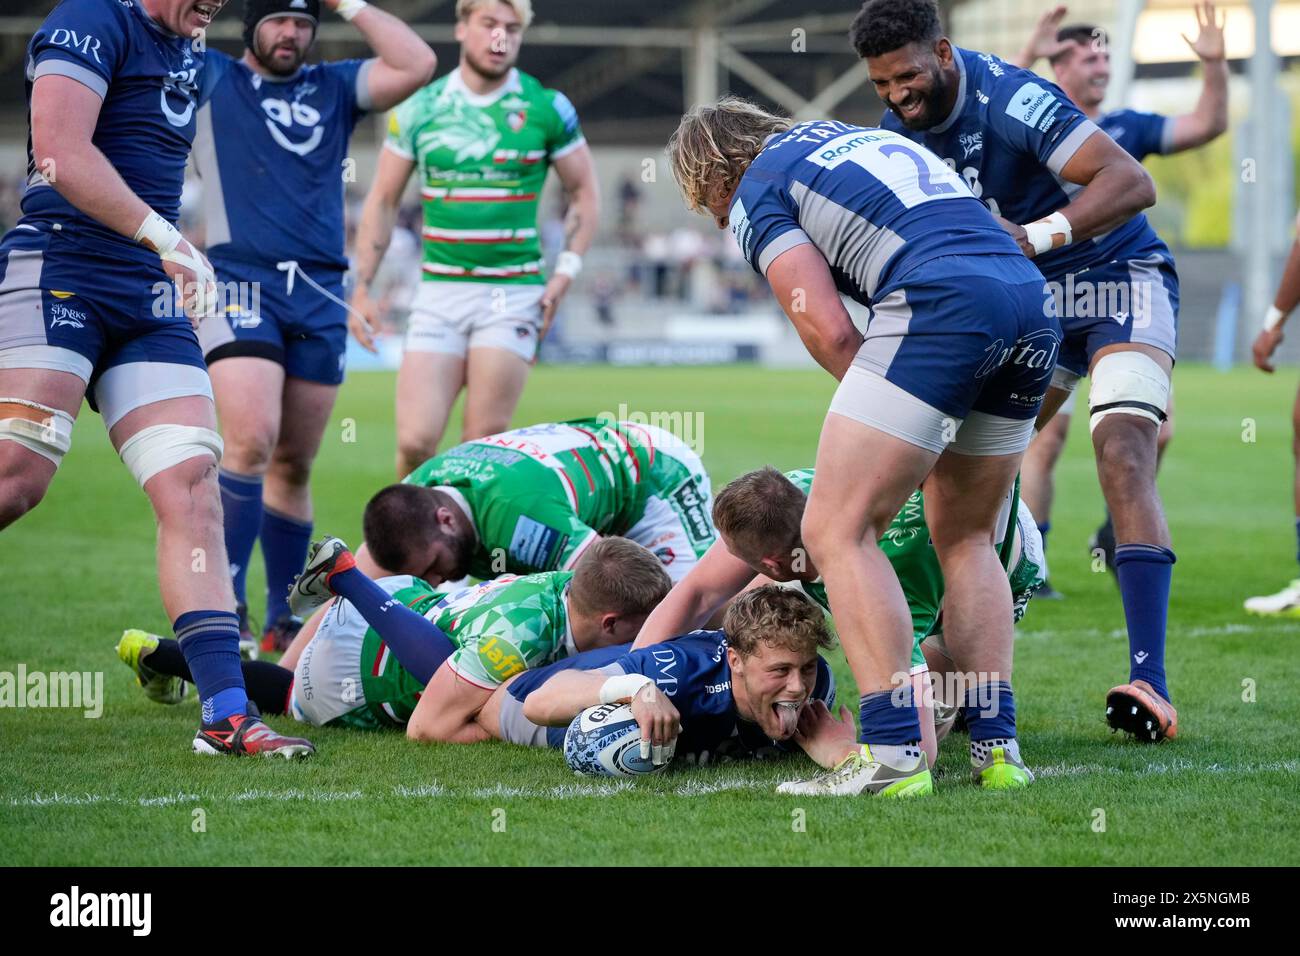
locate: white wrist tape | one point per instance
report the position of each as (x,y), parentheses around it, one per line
(1044,234)
(623,687)
(1273,318)
(568,263)
(158,234)
(348,9)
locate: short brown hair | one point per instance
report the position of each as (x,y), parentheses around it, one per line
(759,514)
(777,617)
(714,145)
(618,576)
(398,524)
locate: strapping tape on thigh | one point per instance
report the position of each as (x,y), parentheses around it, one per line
(38,428)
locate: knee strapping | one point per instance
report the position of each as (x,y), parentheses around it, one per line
(1128,383)
(159,447)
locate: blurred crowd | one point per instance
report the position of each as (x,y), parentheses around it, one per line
(694,267)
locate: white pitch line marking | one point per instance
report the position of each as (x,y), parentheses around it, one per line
(691,788)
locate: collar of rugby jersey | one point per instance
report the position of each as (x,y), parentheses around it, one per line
(461,503)
(958,106)
(456,84)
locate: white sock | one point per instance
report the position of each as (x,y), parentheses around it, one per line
(979,749)
(899,756)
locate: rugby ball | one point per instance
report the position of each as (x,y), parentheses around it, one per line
(605,741)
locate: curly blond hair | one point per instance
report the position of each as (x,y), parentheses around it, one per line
(778,617)
(714,145)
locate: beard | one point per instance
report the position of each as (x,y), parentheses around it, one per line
(462,552)
(274,66)
(931,105)
(486,69)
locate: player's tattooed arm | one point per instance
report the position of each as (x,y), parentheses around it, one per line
(716,579)
(374,233)
(802,283)
(404,62)
(448,710)
(1210,118)
(577,174)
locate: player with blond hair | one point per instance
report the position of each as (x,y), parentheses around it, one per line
(482,139)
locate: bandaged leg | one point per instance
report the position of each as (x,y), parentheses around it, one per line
(1128,383)
(38,428)
(159,447)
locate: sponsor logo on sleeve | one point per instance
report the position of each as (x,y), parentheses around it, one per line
(84,43)
(1031,104)
(533,543)
(689,504)
(500,658)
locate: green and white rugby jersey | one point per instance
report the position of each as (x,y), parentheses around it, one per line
(507,625)
(906,543)
(538,496)
(499,628)
(482,162)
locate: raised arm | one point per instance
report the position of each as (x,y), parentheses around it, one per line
(374,233)
(403,63)
(1042,41)
(716,579)
(801,281)
(1210,118)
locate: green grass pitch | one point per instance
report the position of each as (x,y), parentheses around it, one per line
(124,788)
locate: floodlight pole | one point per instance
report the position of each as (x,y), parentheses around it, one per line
(1120,45)
(1264,154)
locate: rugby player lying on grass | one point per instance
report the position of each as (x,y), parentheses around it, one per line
(342,671)
(532,499)
(758,517)
(756,687)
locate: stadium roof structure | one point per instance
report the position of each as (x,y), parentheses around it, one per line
(630,68)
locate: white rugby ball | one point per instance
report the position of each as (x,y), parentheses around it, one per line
(605,741)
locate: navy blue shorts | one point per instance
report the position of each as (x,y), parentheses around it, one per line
(304,330)
(1132,300)
(107,315)
(966,333)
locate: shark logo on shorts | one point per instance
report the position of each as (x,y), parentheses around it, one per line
(66,315)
